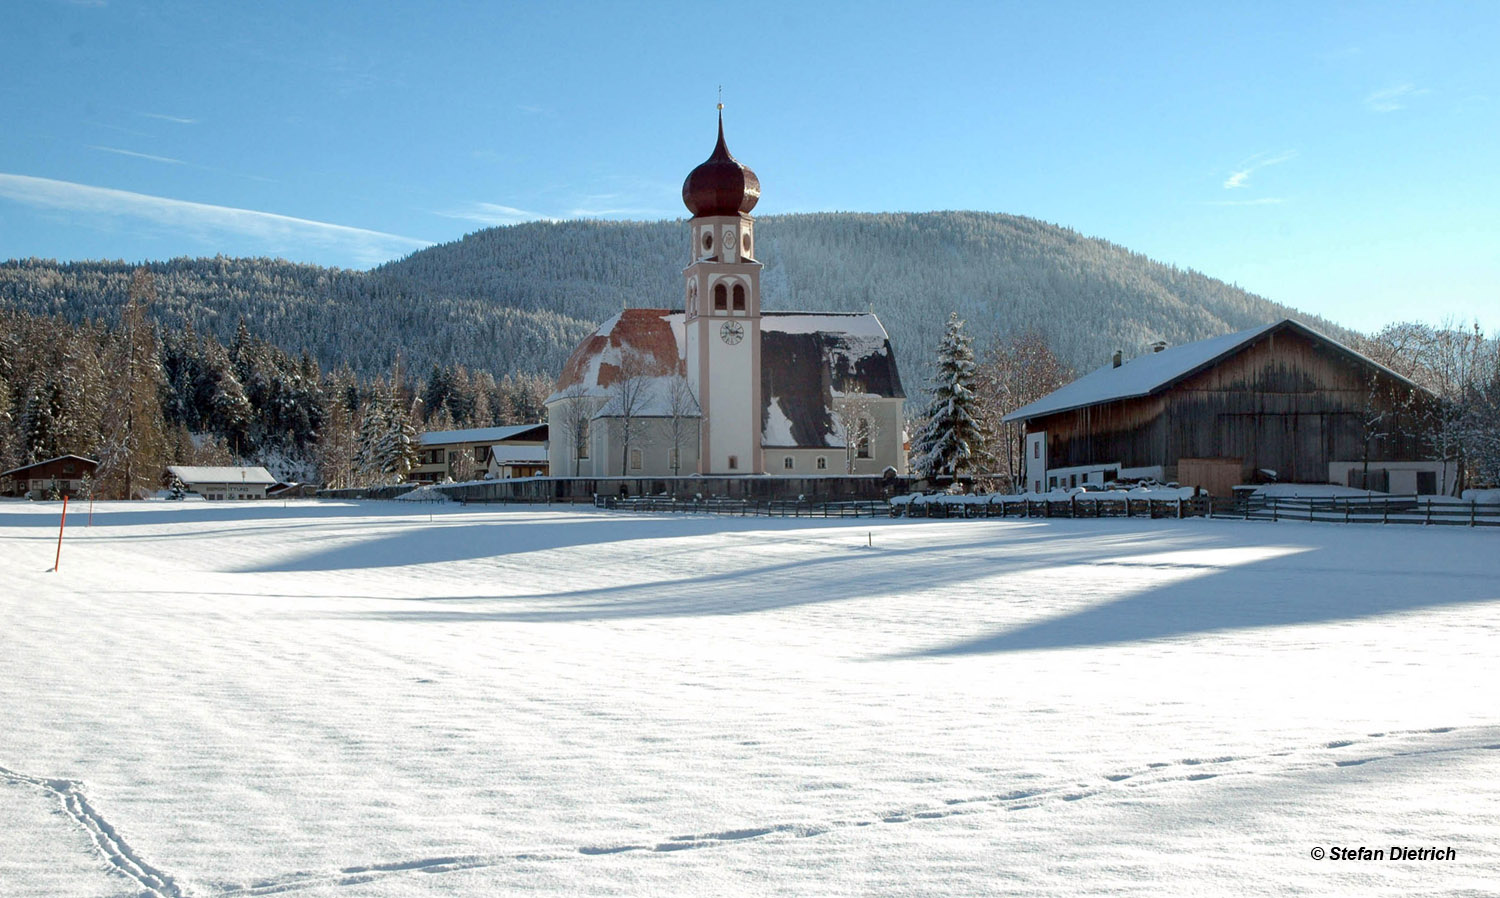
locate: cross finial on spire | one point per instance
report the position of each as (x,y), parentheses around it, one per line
(721,98)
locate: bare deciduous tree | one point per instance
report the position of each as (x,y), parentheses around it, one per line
(1014,371)
(854,419)
(575,411)
(628,398)
(682,420)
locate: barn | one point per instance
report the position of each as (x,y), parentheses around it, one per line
(1279,402)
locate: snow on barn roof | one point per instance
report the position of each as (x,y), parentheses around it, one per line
(476,434)
(1155,371)
(227,474)
(807,359)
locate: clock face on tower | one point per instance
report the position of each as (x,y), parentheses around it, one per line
(732,332)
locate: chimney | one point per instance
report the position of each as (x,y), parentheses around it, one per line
(1116,359)
(1159,345)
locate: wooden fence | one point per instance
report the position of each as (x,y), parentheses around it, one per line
(1361,509)
(1091,506)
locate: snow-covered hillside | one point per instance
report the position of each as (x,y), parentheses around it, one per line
(381,699)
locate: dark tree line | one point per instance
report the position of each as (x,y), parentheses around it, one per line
(138,396)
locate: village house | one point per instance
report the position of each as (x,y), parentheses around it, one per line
(224,482)
(472,454)
(721,387)
(1276,402)
(66,475)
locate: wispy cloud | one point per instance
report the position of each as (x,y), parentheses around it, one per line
(133,153)
(614,213)
(491,214)
(275,233)
(1241,176)
(169,118)
(1391,99)
(1262,201)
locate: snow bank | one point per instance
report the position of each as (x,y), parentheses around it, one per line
(425,494)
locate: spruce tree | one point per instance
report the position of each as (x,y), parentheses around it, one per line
(950,443)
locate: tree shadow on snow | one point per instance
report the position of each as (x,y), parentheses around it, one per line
(823,579)
(1357,574)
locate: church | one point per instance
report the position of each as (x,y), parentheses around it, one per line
(721,386)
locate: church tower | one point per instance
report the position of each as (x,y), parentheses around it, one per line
(722,305)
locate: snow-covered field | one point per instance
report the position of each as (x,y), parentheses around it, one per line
(384,699)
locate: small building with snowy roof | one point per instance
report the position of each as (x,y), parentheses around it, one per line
(66,475)
(1275,402)
(466,454)
(719,386)
(224,482)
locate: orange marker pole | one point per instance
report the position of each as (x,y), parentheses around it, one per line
(60,527)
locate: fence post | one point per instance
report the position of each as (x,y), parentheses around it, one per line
(1179,508)
(1429,511)
(1275,509)
(1472,503)
(61,524)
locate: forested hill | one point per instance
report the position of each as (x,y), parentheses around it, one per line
(517,299)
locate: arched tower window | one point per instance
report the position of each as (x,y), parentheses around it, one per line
(721,297)
(739,297)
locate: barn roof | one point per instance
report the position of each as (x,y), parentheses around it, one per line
(1156,371)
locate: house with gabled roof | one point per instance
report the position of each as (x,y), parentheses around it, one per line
(65,475)
(215,482)
(1276,402)
(470,454)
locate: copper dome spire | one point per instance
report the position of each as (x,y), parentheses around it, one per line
(721,185)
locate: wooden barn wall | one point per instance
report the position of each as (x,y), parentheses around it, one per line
(1287,403)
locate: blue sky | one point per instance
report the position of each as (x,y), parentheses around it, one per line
(1338,158)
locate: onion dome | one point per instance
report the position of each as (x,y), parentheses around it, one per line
(722,185)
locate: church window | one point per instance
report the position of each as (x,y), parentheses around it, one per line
(862,439)
(635,459)
(734,462)
(708,241)
(739,297)
(787,463)
(822,463)
(721,297)
(745,242)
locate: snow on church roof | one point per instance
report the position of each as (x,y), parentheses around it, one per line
(1147,374)
(807,359)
